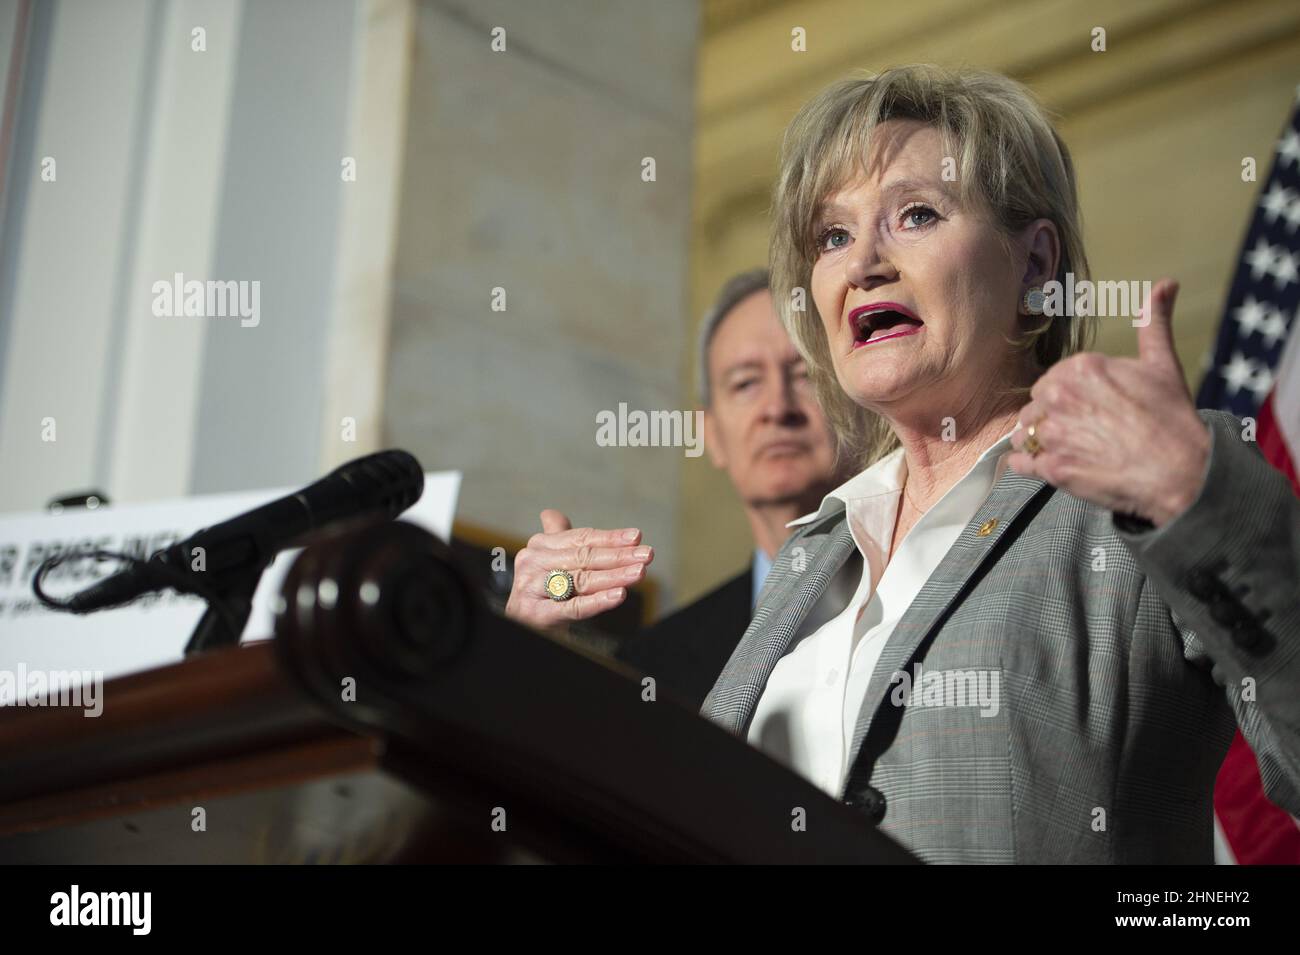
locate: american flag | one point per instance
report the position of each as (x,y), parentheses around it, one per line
(1254,372)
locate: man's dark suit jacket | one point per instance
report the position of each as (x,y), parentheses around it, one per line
(686,651)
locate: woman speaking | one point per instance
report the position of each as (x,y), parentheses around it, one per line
(1074,584)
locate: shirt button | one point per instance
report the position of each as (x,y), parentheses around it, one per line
(832,677)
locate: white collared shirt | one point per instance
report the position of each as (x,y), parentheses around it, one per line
(808,711)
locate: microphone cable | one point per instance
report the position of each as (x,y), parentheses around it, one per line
(167,576)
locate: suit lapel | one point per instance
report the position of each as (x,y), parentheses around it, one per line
(792,593)
(998,516)
(797,580)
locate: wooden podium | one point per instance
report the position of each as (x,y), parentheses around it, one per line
(393,718)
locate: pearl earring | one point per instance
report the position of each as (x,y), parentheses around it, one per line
(1033,301)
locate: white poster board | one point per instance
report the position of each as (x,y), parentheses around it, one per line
(152,631)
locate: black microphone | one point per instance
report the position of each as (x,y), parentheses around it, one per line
(383,484)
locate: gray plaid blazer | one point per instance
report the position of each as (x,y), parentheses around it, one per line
(1124,656)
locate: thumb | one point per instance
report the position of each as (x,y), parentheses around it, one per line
(554,521)
(1156,334)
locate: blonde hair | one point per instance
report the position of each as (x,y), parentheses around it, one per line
(1013,168)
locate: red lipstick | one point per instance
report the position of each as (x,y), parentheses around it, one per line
(881,321)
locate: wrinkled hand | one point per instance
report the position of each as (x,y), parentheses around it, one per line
(1122,433)
(603,564)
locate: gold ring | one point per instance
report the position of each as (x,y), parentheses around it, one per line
(559,585)
(1032,444)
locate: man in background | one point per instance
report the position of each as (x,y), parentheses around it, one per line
(764,428)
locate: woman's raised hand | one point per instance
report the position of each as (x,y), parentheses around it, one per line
(1120,432)
(603,565)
